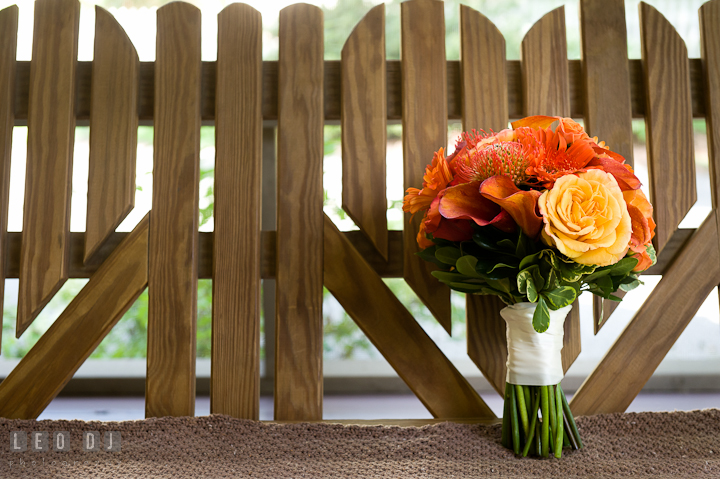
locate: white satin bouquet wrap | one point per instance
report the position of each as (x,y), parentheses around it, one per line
(534,359)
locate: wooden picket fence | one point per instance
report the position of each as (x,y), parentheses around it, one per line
(301,92)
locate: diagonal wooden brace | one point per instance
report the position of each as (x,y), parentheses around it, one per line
(632,360)
(50,364)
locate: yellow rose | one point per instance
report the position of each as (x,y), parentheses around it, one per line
(586,218)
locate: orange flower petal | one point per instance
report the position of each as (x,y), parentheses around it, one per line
(537,121)
(640,229)
(520,204)
(464,202)
(625,178)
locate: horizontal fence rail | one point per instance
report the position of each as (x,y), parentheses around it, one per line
(332,98)
(392,268)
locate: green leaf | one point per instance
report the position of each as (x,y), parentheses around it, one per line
(532,291)
(541,317)
(612,297)
(428,254)
(449,277)
(598,273)
(524,246)
(500,284)
(522,279)
(651,252)
(537,277)
(507,245)
(467,288)
(624,266)
(466,265)
(560,297)
(605,284)
(530,260)
(448,255)
(630,286)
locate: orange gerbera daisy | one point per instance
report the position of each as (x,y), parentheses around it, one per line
(436,178)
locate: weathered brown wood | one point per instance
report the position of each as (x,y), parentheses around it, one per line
(332,91)
(79,330)
(8,44)
(386,269)
(571,337)
(486,338)
(710,51)
(606,77)
(482,72)
(396,334)
(364,128)
(484,107)
(544,67)
(641,347)
(298,307)
(235,369)
(51,135)
(668,122)
(424,122)
(172,304)
(113,131)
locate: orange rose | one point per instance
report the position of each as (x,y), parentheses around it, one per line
(643,226)
(586,218)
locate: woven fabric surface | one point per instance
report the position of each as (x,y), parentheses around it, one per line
(677,444)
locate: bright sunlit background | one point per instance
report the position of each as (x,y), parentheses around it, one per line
(697,351)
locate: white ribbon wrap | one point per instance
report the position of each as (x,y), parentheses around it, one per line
(534,359)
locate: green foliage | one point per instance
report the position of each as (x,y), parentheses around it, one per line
(516,268)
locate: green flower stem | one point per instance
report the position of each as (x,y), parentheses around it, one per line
(520,395)
(538,441)
(566,440)
(528,399)
(571,419)
(545,407)
(514,421)
(558,415)
(533,423)
(506,426)
(568,434)
(553,419)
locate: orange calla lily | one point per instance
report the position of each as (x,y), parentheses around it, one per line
(464,202)
(519,204)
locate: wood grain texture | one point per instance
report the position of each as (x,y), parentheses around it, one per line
(113,131)
(487,338)
(332,93)
(172,289)
(571,337)
(668,123)
(396,334)
(8,46)
(484,107)
(235,368)
(90,316)
(393,268)
(482,73)
(608,109)
(51,136)
(710,52)
(643,344)
(544,67)
(364,128)
(298,307)
(424,124)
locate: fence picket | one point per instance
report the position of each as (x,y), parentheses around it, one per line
(484,106)
(235,376)
(113,132)
(173,237)
(298,311)
(606,77)
(364,128)
(668,123)
(51,136)
(424,121)
(8,46)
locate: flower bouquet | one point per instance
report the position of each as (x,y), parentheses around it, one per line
(535,214)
